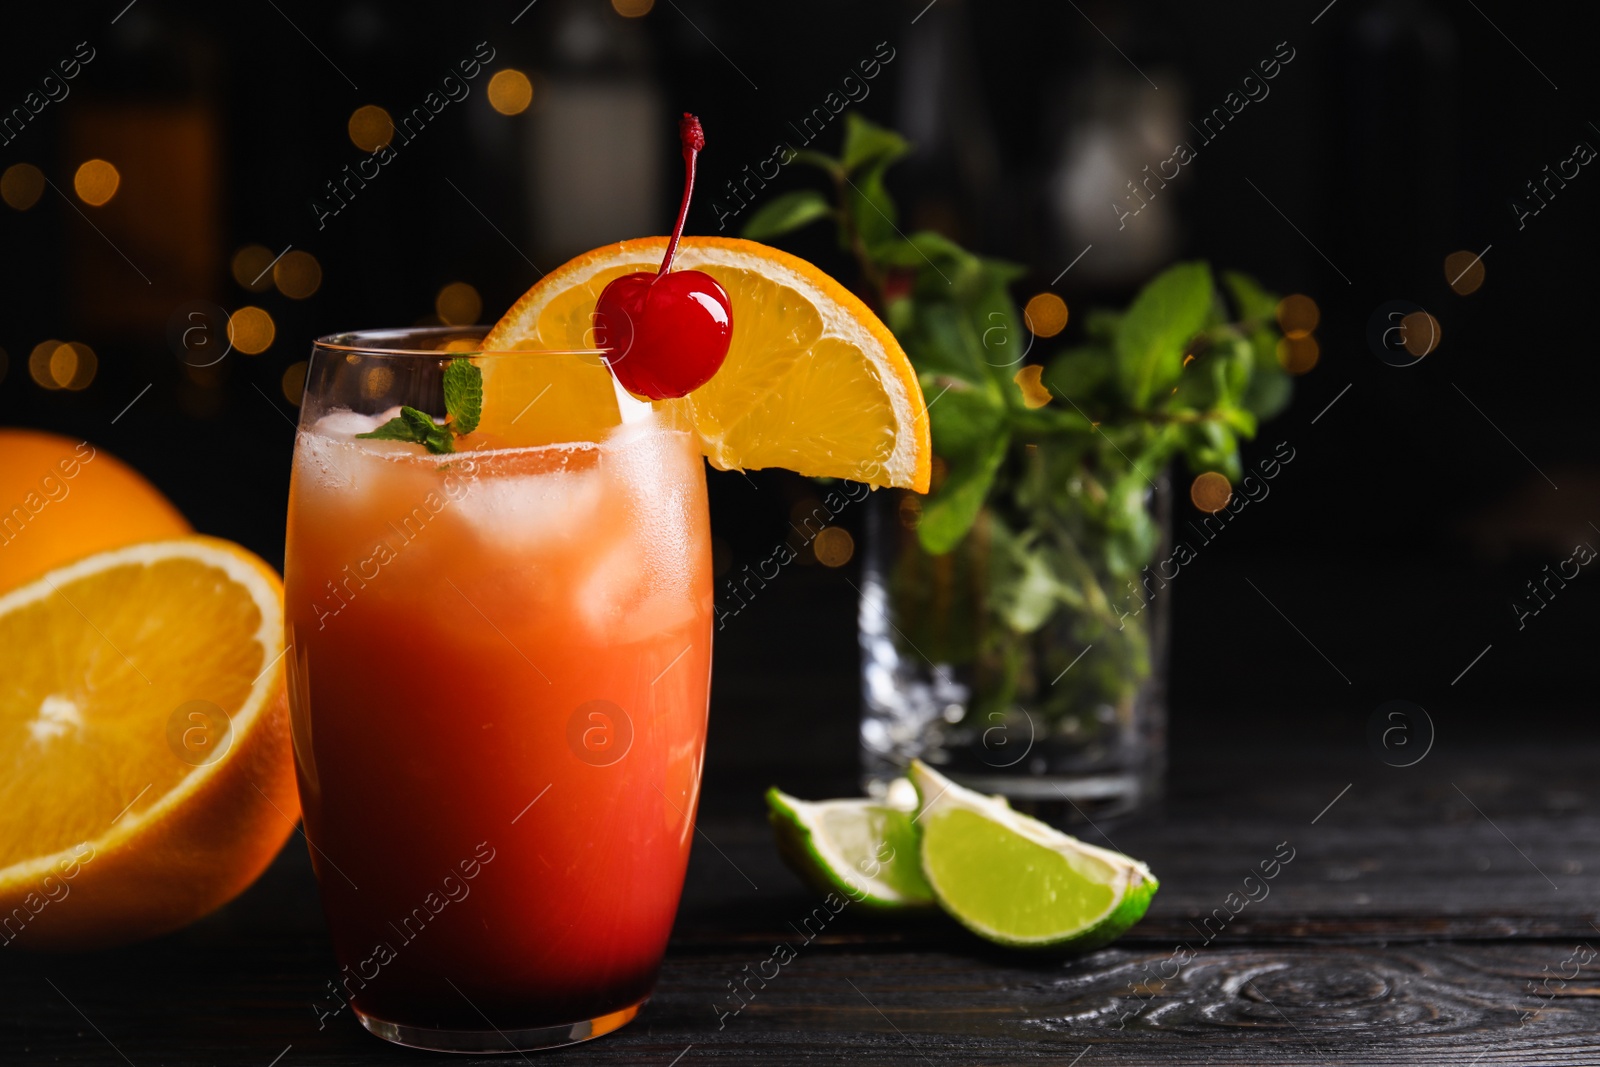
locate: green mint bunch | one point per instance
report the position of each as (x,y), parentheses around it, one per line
(463,404)
(1057,495)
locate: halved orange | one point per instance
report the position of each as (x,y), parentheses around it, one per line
(144,734)
(65,499)
(813,380)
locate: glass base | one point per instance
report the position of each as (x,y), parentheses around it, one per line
(491,1040)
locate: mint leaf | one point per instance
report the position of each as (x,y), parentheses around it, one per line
(1101,325)
(398,429)
(819,160)
(870,205)
(950,512)
(415,427)
(1078,373)
(970,426)
(1024,590)
(940,344)
(995,318)
(786,213)
(867,142)
(1255,304)
(463,401)
(1268,394)
(1212,446)
(440,440)
(1151,336)
(924,248)
(963,421)
(420,423)
(463,395)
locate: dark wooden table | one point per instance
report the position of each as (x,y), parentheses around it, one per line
(1441,913)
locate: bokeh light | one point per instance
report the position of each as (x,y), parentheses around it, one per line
(250,265)
(294,382)
(458,304)
(88,366)
(1210,492)
(1045,315)
(96,182)
(377,382)
(21,185)
(297,275)
(834,546)
(1298,354)
(39,363)
(1298,315)
(633,9)
(251,330)
(370,127)
(1421,332)
(510,92)
(1464,271)
(1034,395)
(72,366)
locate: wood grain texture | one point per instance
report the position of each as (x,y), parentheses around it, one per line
(836,1001)
(1413,925)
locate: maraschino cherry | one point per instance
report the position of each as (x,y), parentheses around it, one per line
(665,334)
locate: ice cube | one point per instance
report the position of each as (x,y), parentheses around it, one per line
(516,513)
(658,615)
(325,462)
(346,424)
(608,594)
(329,454)
(653,474)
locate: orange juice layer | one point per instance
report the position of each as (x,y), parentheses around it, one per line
(499,675)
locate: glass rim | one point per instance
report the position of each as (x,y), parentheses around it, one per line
(390,341)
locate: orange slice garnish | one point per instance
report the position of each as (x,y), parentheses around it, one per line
(814,381)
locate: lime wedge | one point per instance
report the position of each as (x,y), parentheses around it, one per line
(863,849)
(1013,880)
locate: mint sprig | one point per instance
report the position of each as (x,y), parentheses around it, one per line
(463,404)
(416,427)
(463,395)
(1181,372)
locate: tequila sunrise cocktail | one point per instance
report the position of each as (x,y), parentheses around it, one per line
(499,612)
(499,672)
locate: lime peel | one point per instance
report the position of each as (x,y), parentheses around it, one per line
(863,849)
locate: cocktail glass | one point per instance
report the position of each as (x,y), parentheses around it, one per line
(499,667)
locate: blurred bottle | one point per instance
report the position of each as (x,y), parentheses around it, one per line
(953,177)
(597,129)
(143,163)
(1114,128)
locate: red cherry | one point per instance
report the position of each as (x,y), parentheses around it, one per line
(666,334)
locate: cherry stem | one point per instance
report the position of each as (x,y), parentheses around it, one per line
(694,139)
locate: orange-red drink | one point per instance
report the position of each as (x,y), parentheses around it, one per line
(499,673)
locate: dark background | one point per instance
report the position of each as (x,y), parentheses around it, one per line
(1400,132)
